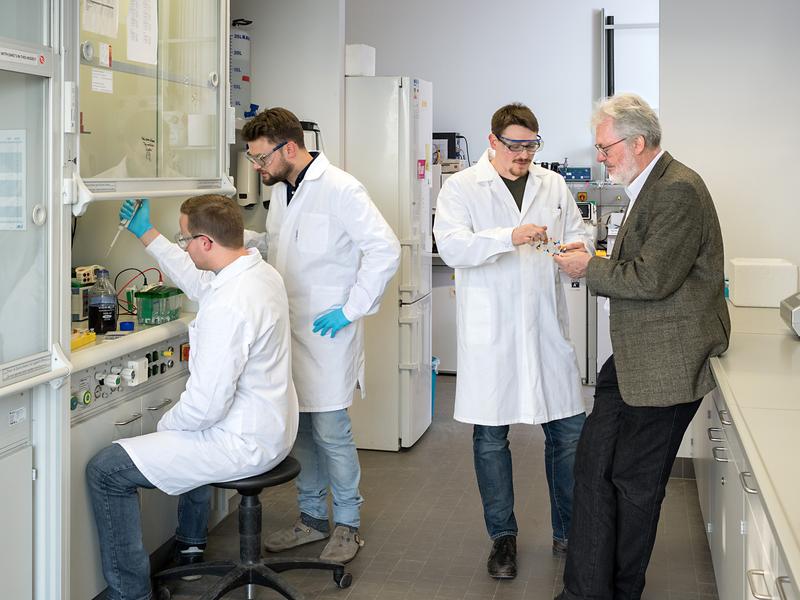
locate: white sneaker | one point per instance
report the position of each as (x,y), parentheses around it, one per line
(343,545)
(290,537)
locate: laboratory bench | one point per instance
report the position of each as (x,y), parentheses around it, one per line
(142,336)
(746,443)
(121,387)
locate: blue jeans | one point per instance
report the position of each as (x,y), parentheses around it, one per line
(328,457)
(113,489)
(495,481)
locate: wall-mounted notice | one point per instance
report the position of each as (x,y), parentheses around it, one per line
(12,179)
(143,31)
(101,16)
(103,81)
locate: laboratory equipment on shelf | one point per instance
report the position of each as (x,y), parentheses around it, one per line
(158,304)
(102,305)
(395,169)
(240,66)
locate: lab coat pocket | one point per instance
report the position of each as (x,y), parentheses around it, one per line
(475,321)
(312,233)
(325,297)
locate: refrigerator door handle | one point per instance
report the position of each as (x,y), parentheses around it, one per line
(411,285)
(414,323)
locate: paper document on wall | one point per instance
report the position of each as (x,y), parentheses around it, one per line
(101,16)
(103,81)
(143,31)
(12,179)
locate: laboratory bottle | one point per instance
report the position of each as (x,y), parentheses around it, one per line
(102,305)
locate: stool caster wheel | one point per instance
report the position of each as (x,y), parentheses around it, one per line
(163,593)
(341,579)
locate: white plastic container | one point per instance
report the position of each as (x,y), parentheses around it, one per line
(761,282)
(359,59)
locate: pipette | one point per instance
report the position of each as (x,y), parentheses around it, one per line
(123,224)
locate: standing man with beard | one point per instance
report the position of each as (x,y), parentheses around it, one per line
(336,254)
(668,318)
(515,361)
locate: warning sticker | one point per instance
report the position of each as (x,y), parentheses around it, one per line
(20,56)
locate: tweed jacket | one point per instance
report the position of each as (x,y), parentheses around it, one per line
(666,285)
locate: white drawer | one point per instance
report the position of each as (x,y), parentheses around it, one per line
(786,587)
(762,553)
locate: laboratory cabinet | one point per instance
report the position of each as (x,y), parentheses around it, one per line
(130,418)
(16,518)
(747,556)
(160,508)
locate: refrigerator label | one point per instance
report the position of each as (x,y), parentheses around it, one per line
(421,168)
(16,416)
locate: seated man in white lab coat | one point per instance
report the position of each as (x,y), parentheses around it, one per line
(515,360)
(238,415)
(336,254)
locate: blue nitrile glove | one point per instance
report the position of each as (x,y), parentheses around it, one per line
(140,224)
(331,321)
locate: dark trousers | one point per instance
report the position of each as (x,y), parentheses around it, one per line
(622,466)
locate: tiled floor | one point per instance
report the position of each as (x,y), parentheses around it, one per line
(425,537)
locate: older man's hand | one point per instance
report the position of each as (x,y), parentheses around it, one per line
(573,262)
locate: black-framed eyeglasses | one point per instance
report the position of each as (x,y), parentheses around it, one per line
(183,241)
(262,160)
(517,146)
(604,149)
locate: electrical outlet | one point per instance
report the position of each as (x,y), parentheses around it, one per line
(137,372)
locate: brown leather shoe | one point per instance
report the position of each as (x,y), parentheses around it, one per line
(502,563)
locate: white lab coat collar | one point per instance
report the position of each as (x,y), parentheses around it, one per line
(317,168)
(484,170)
(241,264)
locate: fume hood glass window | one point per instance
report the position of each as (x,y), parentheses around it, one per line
(149,91)
(25,21)
(23,243)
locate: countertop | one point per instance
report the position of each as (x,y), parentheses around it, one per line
(103,350)
(759,377)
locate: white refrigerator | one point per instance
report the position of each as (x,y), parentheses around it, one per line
(388,132)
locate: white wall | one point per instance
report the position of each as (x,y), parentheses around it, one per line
(298,61)
(482,55)
(730,93)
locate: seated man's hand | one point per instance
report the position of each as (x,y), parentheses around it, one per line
(331,321)
(139,224)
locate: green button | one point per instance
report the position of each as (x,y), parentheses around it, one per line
(87,397)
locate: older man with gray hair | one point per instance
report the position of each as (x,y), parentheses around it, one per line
(668,318)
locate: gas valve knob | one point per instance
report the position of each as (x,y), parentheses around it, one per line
(109,379)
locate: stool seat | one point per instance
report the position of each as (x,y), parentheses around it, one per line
(285,471)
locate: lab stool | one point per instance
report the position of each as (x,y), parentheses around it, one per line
(251,570)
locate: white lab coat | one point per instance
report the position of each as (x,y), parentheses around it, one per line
(515,361)
(238,415)
(333,248)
